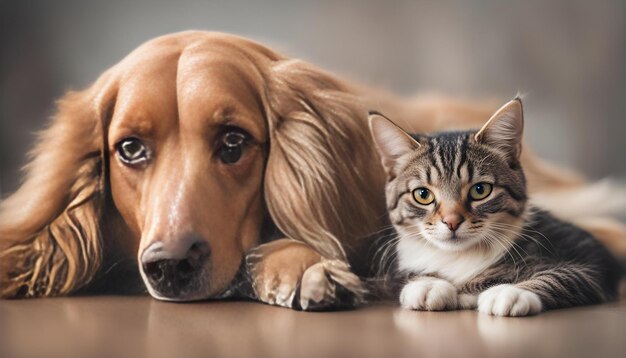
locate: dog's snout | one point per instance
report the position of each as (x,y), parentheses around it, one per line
(171,275)
(170,270)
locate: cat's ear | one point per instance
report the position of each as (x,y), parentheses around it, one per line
(390,140)
(504,130)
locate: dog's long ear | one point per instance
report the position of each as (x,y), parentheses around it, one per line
(49,228)
(321,159)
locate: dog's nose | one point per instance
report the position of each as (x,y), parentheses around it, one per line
(171,275)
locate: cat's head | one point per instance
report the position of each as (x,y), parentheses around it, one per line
(457,190)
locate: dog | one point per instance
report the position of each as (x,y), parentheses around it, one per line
(207,160)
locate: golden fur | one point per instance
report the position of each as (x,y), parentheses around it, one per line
(313,166)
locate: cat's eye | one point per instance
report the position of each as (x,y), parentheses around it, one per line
(480,191)
(231,148)
(423,196)
(132,151)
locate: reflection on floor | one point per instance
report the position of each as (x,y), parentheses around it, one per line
(116,326)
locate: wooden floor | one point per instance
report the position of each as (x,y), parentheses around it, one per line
(113,326)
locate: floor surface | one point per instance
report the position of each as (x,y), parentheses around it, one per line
(114,326)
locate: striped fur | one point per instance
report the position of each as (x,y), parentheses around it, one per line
(502,256)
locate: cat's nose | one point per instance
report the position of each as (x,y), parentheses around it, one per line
(453,221)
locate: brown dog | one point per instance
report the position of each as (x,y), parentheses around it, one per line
(186,153)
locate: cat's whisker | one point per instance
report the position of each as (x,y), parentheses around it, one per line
(506,239)
(506,235)
(489,242)
(502,242)
(386,254)
(527,236)
(383,256)
(521,234)
(382,229)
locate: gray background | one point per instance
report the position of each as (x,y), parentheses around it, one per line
(568,56)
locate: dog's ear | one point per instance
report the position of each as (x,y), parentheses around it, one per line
(49,228)
(319,146)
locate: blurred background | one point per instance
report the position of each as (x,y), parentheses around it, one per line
(568,56)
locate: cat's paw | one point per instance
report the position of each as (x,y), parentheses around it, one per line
(429,294)
(508,300)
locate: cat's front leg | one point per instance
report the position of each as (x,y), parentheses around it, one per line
(509,300)
(426,293)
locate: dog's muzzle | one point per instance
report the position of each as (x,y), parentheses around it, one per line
(174,275)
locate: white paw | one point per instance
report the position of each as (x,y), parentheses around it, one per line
(429,294)
(508,300)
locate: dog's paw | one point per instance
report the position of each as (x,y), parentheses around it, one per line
(329,284)
(291,274)
(508,300)
(429,294)
(277,288)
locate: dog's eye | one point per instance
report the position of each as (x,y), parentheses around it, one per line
(132,151)
(231,147)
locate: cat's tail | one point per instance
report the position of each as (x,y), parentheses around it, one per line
(598,207)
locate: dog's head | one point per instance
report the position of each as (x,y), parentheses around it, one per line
(186,145)
(183,147)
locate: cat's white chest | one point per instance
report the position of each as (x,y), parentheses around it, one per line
(418,257)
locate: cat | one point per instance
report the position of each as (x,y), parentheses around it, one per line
(467,237)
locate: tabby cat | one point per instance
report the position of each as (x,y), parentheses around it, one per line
(466,237)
